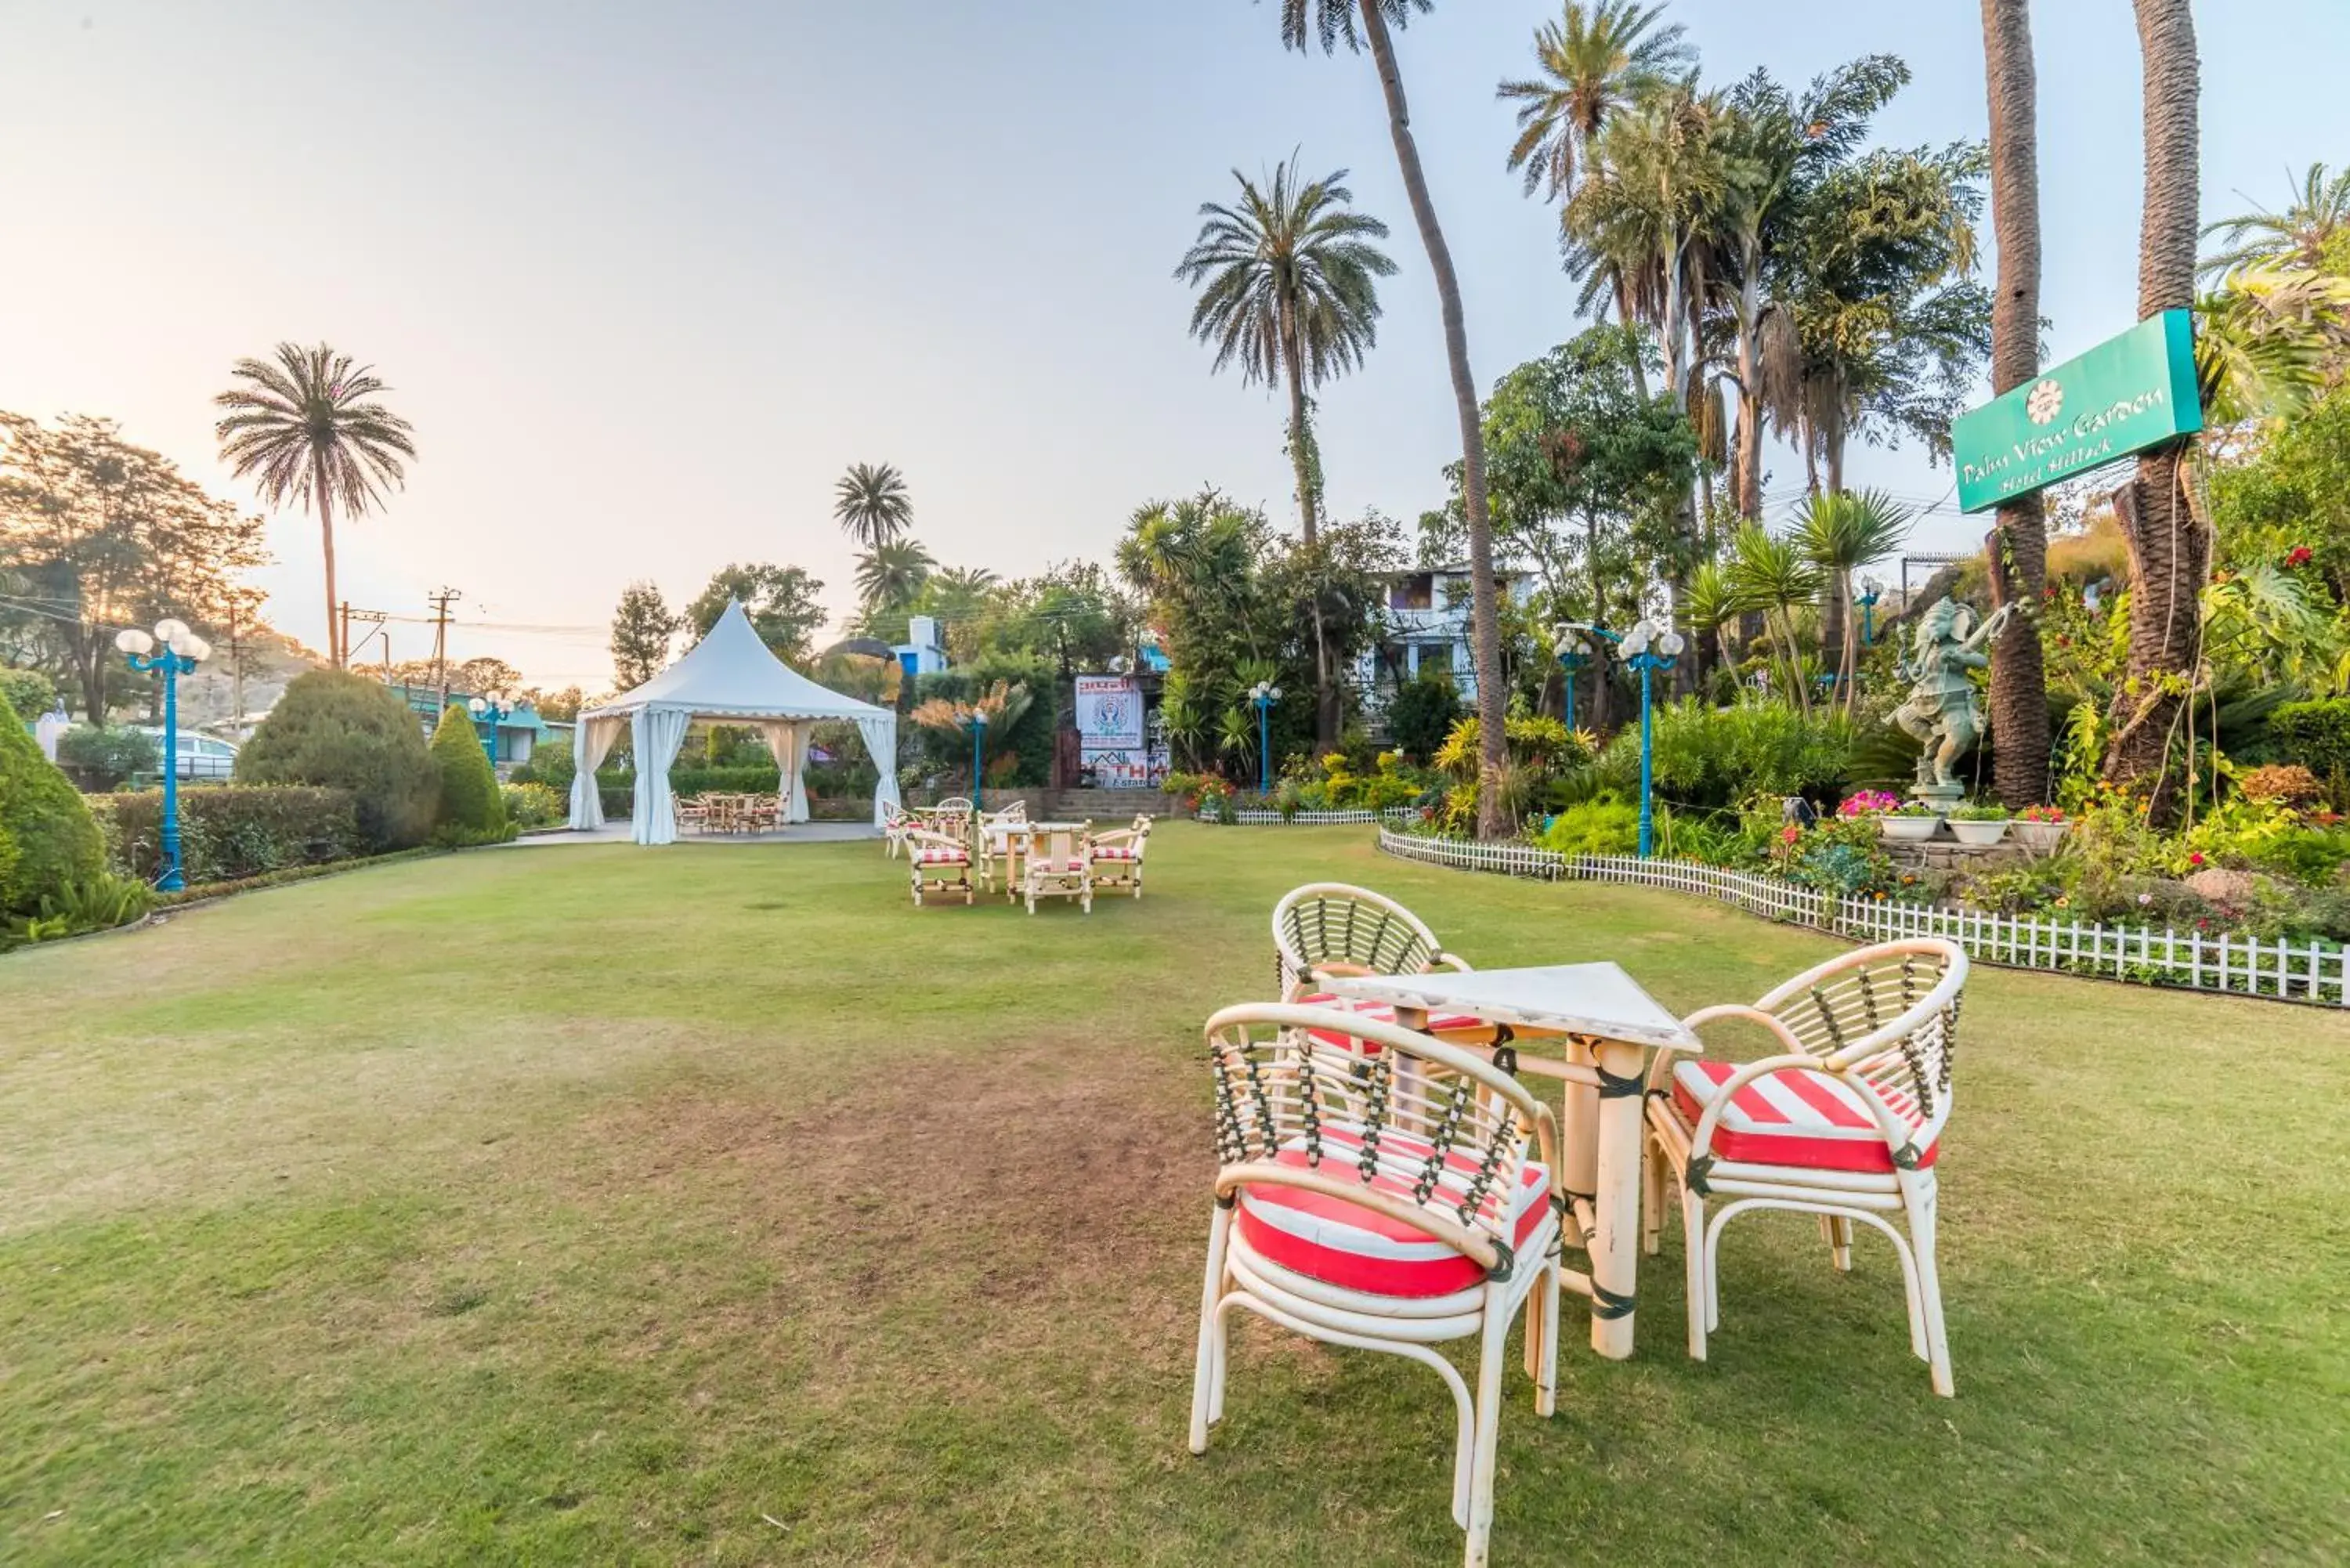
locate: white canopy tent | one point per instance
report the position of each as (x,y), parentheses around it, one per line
(731,676)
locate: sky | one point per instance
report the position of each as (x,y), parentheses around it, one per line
(647,278)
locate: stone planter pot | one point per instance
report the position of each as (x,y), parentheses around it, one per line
(1908,829)
(1978,835)
(2040,838)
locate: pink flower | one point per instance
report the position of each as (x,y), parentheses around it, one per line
(2196,858)
(1789,834)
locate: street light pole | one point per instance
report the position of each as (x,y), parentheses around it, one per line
(1871,591)
(181,650)
(1650,650)
(1573,654)
(1264,694)
(489,715)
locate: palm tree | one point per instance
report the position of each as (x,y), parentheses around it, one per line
(872,505)
(1288,286)
(1711,603)
(2304,234)
(1595,62)
(891,572)
(2269,338)
(2169,550)
(1773,575)
(304,424)
(1363,24)
(1839,534)
(2018,546)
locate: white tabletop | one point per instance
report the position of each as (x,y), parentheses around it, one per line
(1597,1000)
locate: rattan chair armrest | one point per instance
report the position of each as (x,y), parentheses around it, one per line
(1451,961)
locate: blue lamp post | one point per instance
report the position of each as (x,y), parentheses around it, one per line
(1573,655)
(1871,591)
(1264,694)
(1648,650)
(489,716)
(181,652)
(978,723)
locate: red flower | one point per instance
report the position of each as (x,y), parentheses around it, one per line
(2196,858)
(1789,834)
(2298,556)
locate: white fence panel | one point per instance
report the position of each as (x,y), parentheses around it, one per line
(2311,971)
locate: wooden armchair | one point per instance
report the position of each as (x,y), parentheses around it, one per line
(938,864)
(1053,865)
(1116,856)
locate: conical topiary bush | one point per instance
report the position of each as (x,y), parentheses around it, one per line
(472,810)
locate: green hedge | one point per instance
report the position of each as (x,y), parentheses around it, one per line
(231,832)
(28,691)
(345,732)
(2314,735)
(49,841)
(195,891)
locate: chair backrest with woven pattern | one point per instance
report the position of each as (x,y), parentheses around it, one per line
(1888,1014)
(1336,926)
(1423,1131)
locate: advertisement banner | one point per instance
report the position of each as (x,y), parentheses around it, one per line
(1110,732)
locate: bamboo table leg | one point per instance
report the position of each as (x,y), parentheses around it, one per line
(1615,1244)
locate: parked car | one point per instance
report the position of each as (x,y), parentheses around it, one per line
(201,756)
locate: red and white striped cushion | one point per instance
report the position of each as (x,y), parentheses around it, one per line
(1116,852)
(1359,1248)
(1798,1118)
(1380,1012)
(943,857)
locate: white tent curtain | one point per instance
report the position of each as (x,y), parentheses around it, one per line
(789,741)
(659,735)
(796,803)
(596,738)
(879,734)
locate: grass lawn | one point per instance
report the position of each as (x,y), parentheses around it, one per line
(714,1206)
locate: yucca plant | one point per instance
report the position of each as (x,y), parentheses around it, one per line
(1773,576)
(1839,534)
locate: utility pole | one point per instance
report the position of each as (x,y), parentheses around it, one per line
(364,617)
(442,598)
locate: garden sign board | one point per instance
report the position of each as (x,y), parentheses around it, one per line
(2126,394)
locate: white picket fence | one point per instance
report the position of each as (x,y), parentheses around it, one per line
(1257,817)
(2308,972)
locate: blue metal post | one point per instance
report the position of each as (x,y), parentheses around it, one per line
(1647,761)
(1869,619)
(171,880)
(977,730)
(172,666)
(1264,745)
(1572,663)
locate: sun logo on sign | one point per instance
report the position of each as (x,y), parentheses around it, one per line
(2047,402)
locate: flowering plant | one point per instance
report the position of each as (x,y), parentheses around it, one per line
(2040,813)
(1868,803)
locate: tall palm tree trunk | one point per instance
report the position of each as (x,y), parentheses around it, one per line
(1749,397)
(2170,555)
(2018,545)
(1326,707)
(1484,611)
(324,498)
(1848,668)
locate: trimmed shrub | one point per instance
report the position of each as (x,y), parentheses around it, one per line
(1423,714)
(2317,736)
(533,805)
(342,730)
(100,757)
(470,810)
(1602,825)
(49,840)
(551,763)
(28,691)
(231,832)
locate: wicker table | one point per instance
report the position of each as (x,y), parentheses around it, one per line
(1610,1026)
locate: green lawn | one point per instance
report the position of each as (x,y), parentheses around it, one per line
(712,1205)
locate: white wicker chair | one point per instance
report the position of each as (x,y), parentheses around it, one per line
(1844,1123)
(939,864)
(1332,1221)
(1115,857)
(895,823)
(999,833)
(1328,929)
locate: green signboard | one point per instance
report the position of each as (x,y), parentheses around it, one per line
(2126,394)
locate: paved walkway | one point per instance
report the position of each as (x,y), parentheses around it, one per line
(799,832)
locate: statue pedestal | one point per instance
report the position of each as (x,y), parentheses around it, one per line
(1943,797)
